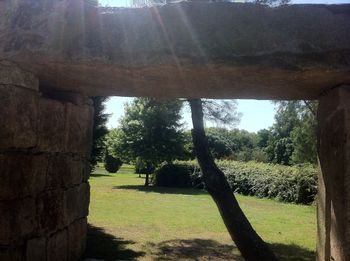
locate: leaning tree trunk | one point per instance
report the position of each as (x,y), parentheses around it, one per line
(147,180)
(249,243)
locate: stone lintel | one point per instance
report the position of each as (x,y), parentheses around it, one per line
(189,49)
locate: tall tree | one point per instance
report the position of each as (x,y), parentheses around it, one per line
(293,136)
(99,130)
(304,136)
(287,117)
(251,246)
(151,132)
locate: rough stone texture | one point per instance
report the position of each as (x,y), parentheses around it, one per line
(12,75)
(79,129)
(17,219)
(51,125)
(65,171)
(76,239)
(28,178)
(44,148)
(334,181)
(36,249)
(11,253)
(189,49)
(50,209)
(57,246)
(18,117)
(76,202)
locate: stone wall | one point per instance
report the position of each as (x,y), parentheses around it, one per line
(45,141)
(334,180)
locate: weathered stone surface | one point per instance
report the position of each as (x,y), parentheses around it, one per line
(75,173)
(11,74)
(44,144)
(57,167)
(86,171)
(188,49)
(334,184)
(51,125)
(13,253)
(36,249)
(18,219)
(64,171)
(76,202)
(79,123)
(75,98)
(18,117)
(76,239)
(5,227)
(22,175)
(57,246)
(50,211)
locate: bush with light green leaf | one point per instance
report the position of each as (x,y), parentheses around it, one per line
(296,184)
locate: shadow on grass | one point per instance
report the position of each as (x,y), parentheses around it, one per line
(101,245)
(163,190)
(207,249)
(193,249)
(292,252)
(98,175)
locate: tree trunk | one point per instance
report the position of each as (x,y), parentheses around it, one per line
(147,180)
(249,243)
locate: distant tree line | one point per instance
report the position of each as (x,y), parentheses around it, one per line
(291,140)
(150,133)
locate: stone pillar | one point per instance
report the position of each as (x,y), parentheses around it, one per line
(334,180)
(45,142)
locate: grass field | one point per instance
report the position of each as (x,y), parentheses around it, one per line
(131,222)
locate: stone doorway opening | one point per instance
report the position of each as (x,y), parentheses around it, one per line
(246,51)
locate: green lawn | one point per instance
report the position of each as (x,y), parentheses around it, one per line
(130,222)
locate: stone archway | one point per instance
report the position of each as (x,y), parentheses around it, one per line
(53,54)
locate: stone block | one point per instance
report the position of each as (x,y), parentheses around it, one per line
(334,182)
(18,219)
(5,226)
(11,74)
(51,125)
(36,249)
(50,211)
(72,97)
(11,253)
(86,171)
(75,171)
(21,175)
(77,239)
(18,118)
(23,217)
(57,166)
(57,246)
(64,171)
(76,202)
(79,125)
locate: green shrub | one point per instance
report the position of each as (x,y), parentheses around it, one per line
(171,175)
(178,175)
(112,164)
(297,184)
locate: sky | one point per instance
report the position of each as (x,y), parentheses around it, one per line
(256,114)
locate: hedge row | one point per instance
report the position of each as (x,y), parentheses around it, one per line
(297,184)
